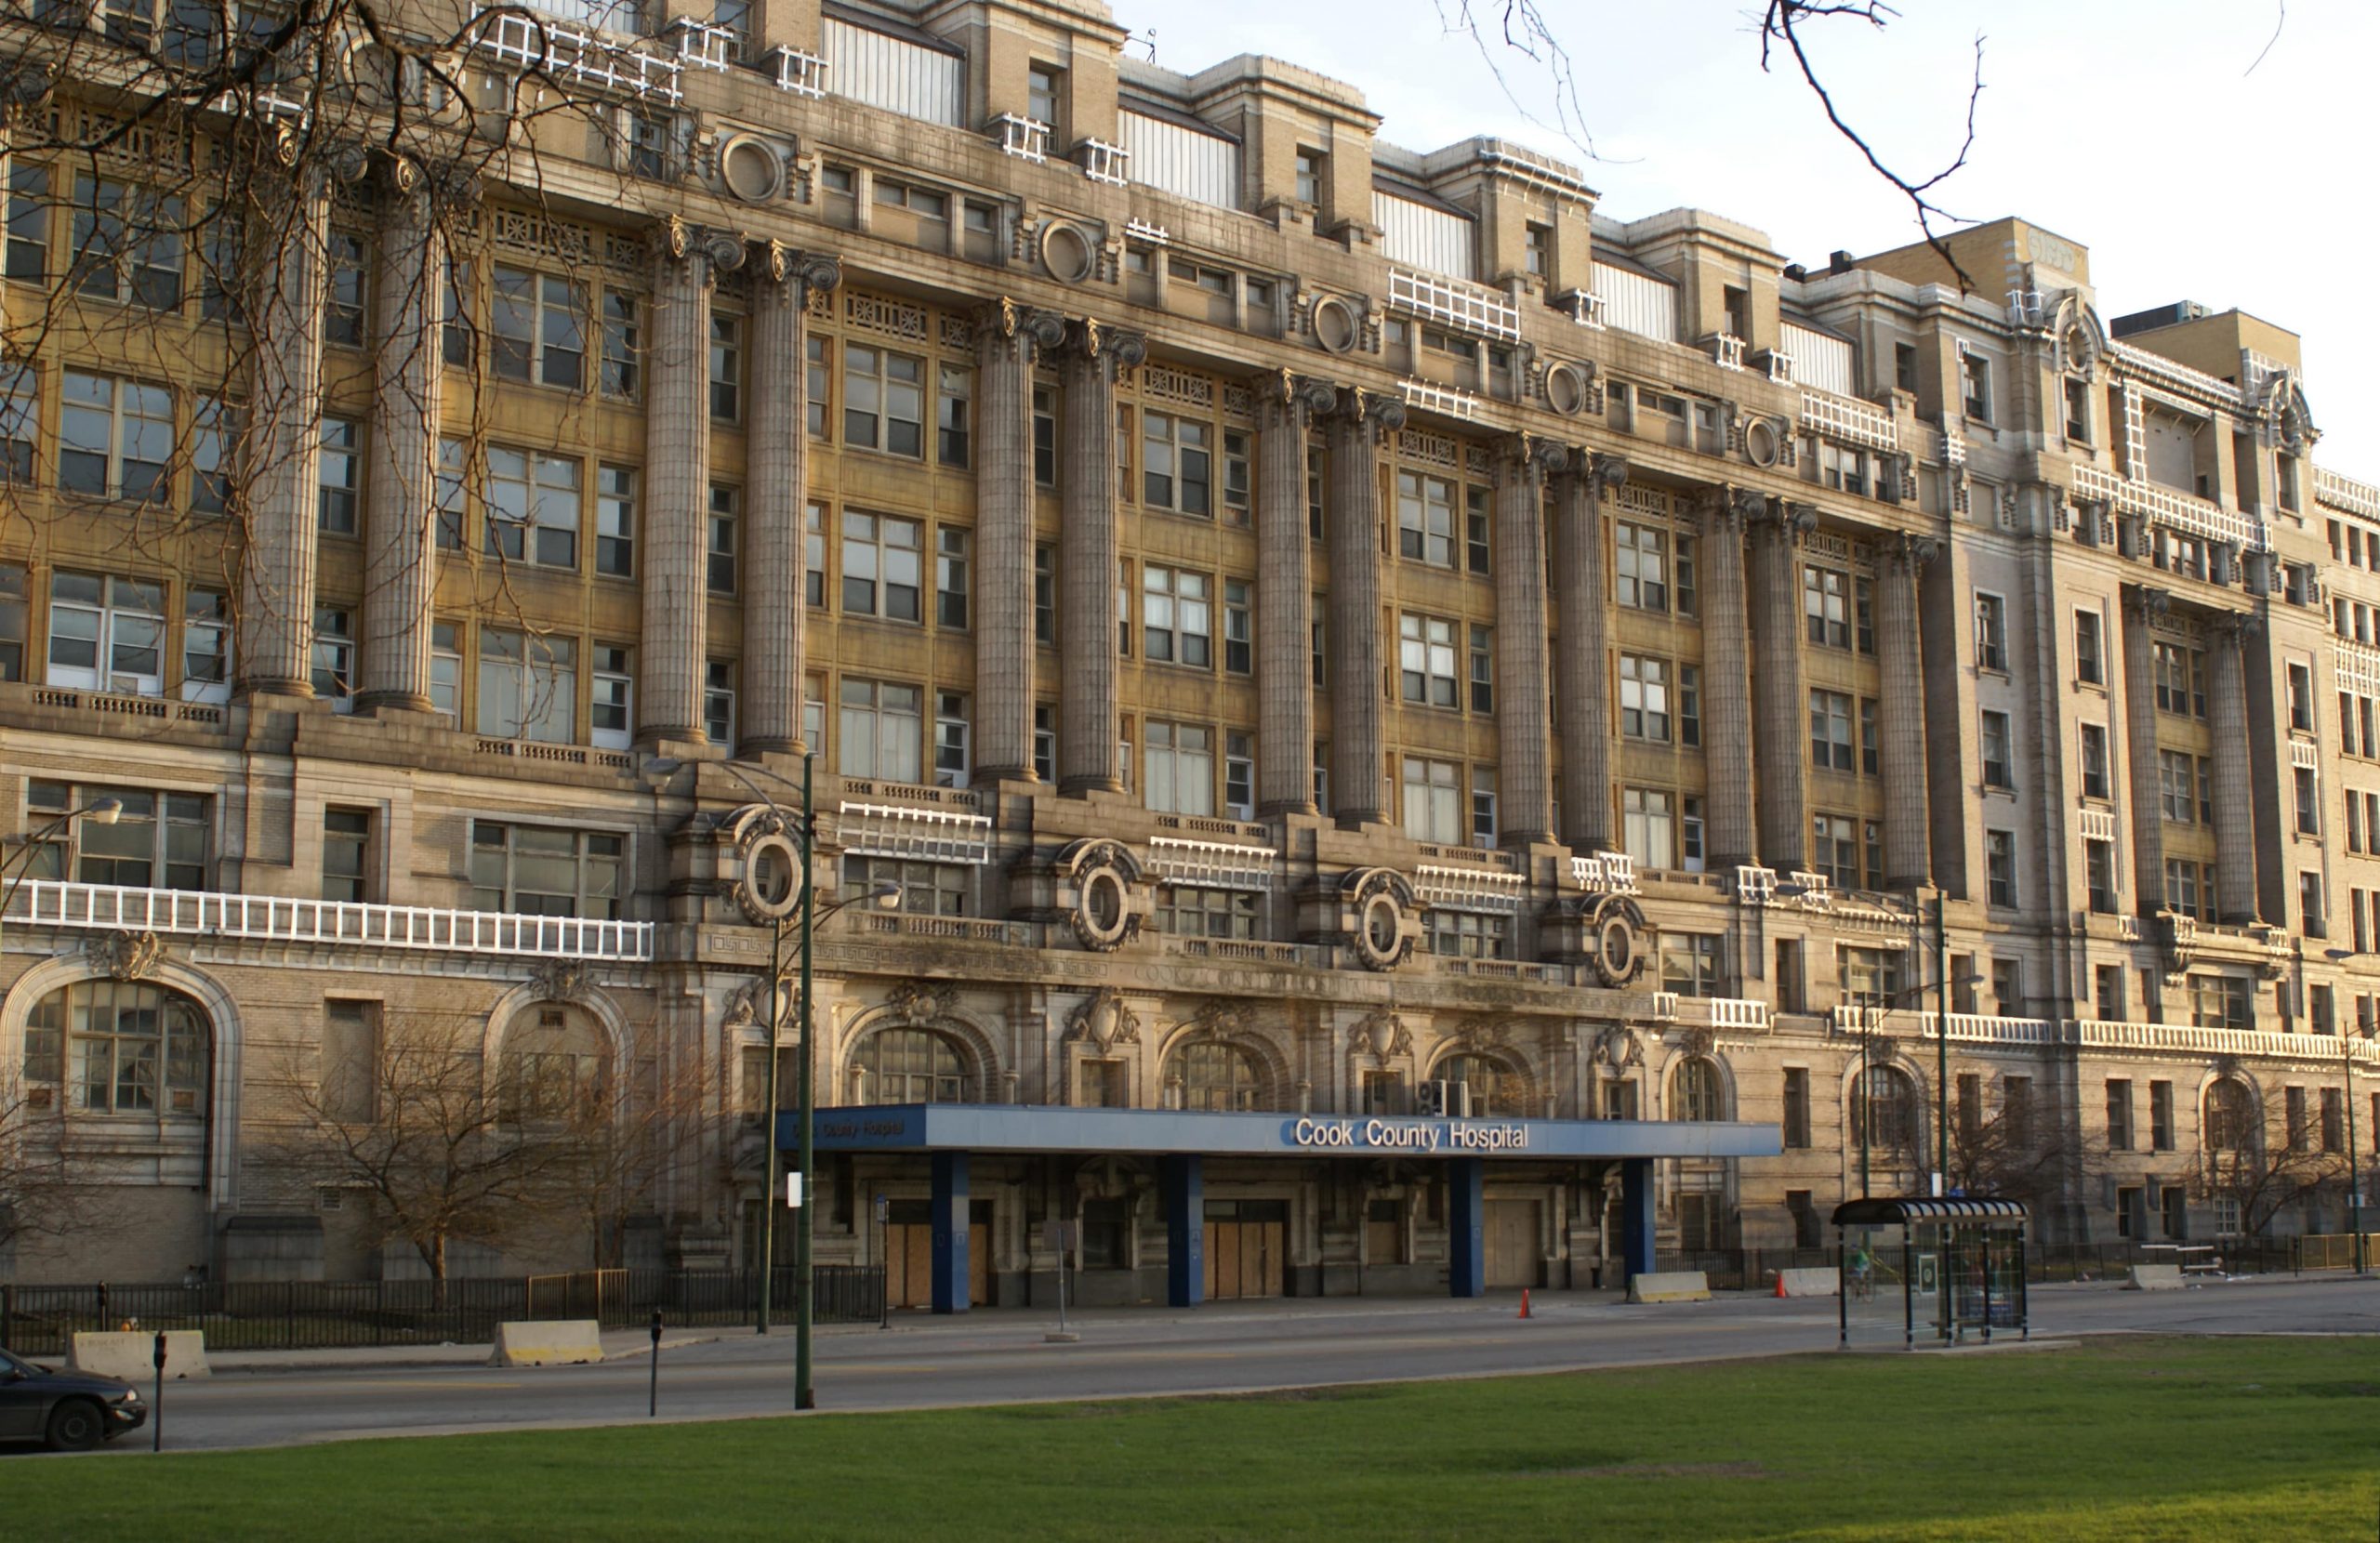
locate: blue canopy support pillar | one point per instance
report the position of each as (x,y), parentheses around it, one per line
(950,1273)
(1466,1227)
(1185,1229)
(1635,1217)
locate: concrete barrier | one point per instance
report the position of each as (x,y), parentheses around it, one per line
(1810,1282)
(562,1342)
(2155,1277)
(1677,1285)
(132,1354)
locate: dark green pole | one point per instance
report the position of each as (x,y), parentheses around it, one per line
(769,1142)
(2353,1176)
(804,1395)
(1941,1048)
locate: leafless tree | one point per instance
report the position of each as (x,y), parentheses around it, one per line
(36,1198)
(2019,1152)
(630,1150)
(2255,1156)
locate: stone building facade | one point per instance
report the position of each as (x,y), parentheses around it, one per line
(1301,621)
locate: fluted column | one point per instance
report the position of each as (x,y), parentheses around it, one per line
(1287,406)
(777,453)
(1088,555)
(1582,662)
(1524,778)
(1726,671)
(1901,756)
(401,465)
(2142,609)
(2234,794)
(283,448)
(676,461)
(1780,716)
(1358,748)
(1007,338)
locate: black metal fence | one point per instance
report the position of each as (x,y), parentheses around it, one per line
(271,1315)
(1755,1268)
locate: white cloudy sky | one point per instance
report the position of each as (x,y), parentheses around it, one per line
(2133,126)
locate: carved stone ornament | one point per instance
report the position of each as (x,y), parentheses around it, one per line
(1483,1033)
(1610,474)
(1383,922)
(562,981)
(1102,873)
(125,956)
(675,237)
(1218,1018)
(1380,1033)
(744,1007)
(916,1004)
(1104,1020)
(1705,1042)
(767,886)
(1621,946)
(1617,1049)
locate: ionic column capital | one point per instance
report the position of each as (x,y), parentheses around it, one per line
(1366,412)
(807,272)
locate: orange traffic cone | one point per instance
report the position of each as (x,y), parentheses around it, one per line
(1781,1283)
(1524,1312)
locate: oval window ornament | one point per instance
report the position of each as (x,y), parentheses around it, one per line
(751,170)
(1067,253)
(1761,443)
(1336,325)
(1565,390)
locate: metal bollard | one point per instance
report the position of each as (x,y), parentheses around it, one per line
(653,1388)
(157,1400)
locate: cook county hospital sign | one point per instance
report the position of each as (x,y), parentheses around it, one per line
(1463,1136)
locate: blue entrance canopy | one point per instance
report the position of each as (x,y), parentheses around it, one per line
(1023,1128)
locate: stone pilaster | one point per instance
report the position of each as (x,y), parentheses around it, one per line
(1780,717)
(677,460)
(1581,659)
(776,452)
(1727,677)
(2234,794)
(1358,747)
(274,646)
(401,467)
(1524,776)
(2142,608)
(1007,338)
(1287,407)
(1088,558)
(1901,755)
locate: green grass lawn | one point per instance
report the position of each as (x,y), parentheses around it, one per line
(2121,1438)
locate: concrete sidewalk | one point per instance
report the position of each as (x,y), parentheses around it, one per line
(619,1345)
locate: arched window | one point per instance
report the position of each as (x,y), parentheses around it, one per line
(1218,1077)
(552,1066)
(1495,1088)
(911,1066)
(2231,1122)
(1883,1113)
(121,1047)
(1694,1094)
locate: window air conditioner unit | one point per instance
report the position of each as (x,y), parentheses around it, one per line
(1444,1100)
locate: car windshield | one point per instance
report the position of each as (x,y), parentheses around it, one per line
(12,1363)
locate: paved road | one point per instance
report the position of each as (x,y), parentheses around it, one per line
(1002,1357)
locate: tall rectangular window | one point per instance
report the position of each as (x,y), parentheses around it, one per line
(817,372)
(883,401)
(1483,668)
(1648,826)
(951,544)
(616,522)
(1830,742)
(107,634)
(1239,774)
(721,543)
(2092,750)
(115,437)
(1239,627)
(2090,655)
(345,286)
(1434,799)
(952,739)
(1181,768)
(1045,594)
(1425,518)
(338,476)
(718,701)
(1999,766)
(879,730)
(883,566)
(27,249)
(622,346)
(1483,806)
(206,646)
(1238,476)
(1797,1122)
(1176,464)
(528,687)
(1991,632)
(611,714)
(1045,436)
(1640,566)
(726,368)
(333,655)
(1426,661)
(21,433)
(955,386)
(1177,618)
(537,328)
(1644,698)
(2000,866)
(347,850)
(1826,606)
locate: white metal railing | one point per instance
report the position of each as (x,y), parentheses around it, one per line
(1665,1007)
(1459,305)
(576,57)
(1727,350)
(1585,306)
(1467,889)
(1605,872)
(1781,366)
(1755,885)
(704,47)
(2093,1033)
(804,75)
(2155,366)
(1738,1013)
(1105,162)
(926,835)
(1817,892)
(2355,665)
(1212,865)
(2165,507)
(1146,233)
(2345,493)
(1440,399)
(1027,138)
(1848,419)
(2096,824)
(204,913)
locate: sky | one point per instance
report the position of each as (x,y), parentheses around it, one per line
(2134,127)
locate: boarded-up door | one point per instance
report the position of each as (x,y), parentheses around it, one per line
(1246,1248)
(908,1258)
(1511,1243)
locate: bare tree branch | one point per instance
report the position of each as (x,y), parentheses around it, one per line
(2279,20)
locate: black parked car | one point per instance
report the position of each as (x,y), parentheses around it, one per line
(70,1411)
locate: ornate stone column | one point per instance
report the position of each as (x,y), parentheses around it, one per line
(1901,756)
(1088,557)
(1581,659)
(1524,778)
(2234,794)
(1726,671)
(2142,609)
(1781,720)
(1358,745)
(1287,406)
(676,461)
(1007,337)
(777,452)
(401,467)
(284,444)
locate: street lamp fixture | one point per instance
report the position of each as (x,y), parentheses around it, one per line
(2354,1164)
(98,812)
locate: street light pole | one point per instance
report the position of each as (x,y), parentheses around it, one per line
(769,1132)
(2354,1176)
(1941,1048)
(101,811)
(805,1396)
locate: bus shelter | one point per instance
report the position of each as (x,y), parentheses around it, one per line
(1925,1271)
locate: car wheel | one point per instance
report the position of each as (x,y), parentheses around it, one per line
(76,1426)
